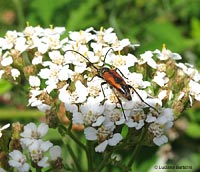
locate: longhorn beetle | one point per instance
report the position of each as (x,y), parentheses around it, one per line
(114,79)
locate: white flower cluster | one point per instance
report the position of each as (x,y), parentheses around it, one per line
(75,79)
(31,141)
(16,43)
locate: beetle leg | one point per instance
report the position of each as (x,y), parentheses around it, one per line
(94,76)
(116,69)
(143,100)
(103,83)
(120,102)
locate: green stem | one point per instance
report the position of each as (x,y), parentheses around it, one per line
(73,137)
(76,161)
(104,162)
(137,148)
(77,141)
(38,169)
(89,154)
(49,170)
(20,14)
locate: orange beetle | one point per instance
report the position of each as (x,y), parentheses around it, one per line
(115,80)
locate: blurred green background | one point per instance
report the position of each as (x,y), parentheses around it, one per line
(147,22)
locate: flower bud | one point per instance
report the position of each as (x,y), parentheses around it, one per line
(170,67)
(29,70)
(52,118)
(15,137)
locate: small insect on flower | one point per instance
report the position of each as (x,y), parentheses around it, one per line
(115,78)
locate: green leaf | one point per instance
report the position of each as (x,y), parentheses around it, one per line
(193,130)
(5,86)
(193,114)
(45,10)
(124,131)
(158,33)
(191,160)
(83,15)
(146,159)
(52,134)
(195,32)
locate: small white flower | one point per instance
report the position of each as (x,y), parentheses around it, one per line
(181,95)
(37,60)
(195,89)
(46,73)
(32,132)
(162,94)
(1,73)
(20,44)
(137,102)
(90,133)
(82,36)
(64,95)
(7,61)
(43,107)
(136,119)
(52,41)
(81,92)
(118,46)
(2,170)
(114,116)
(34,81)
(160,78)
(18,160)
(37,150)
(92,112)
(94,88)
(109,37)
(106,36)
(116,138)
(147,58)
(190,71)
(136,80)
(65,73)
(3,128)
(102,146)
(33,100)
(54,74)
(55,152)
(166,54)
(133,46)
(51,74)
(160,140)
(9,40)
(104,134)
(167,115)
(56,57)
(55,31)
(150,118)
(42,47)
(15,73)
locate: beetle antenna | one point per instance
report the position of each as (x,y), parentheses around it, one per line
(107,54)
(143,100)
(83,57)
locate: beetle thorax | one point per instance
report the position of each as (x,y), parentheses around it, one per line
(104,69)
